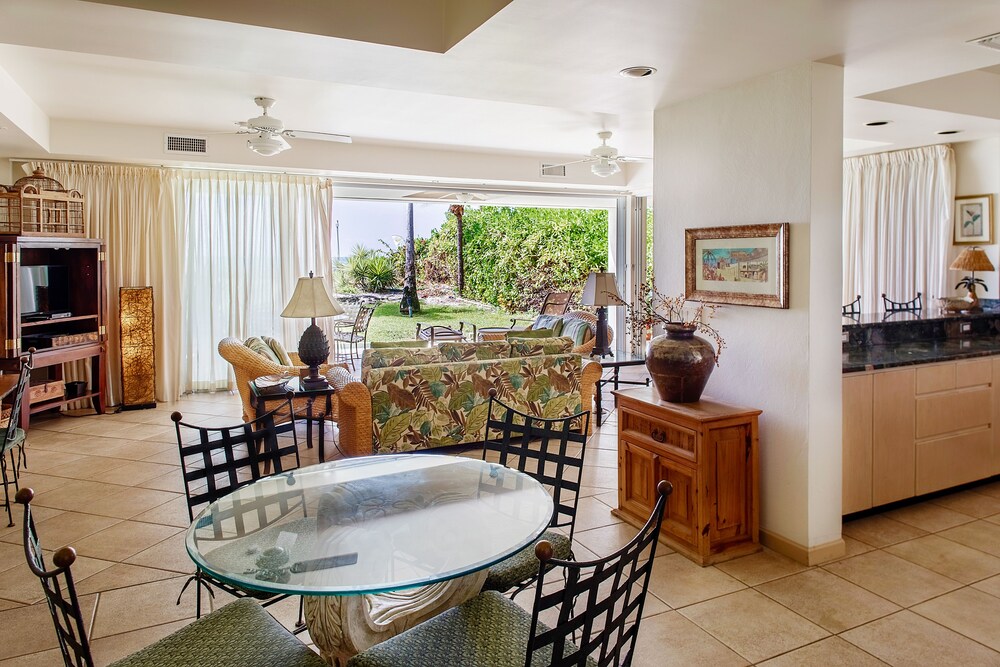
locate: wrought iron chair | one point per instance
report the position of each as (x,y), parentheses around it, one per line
(353,334)
(238,634)
(13,436)
(491,629)
(913,306)
(853,309)
(551,451)
(554,303)
(219,460)
(438,332)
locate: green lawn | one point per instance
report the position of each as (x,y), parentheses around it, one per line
(388,324)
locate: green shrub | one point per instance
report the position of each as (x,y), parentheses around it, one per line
(369,270)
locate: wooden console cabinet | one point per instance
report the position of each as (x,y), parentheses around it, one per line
(709,452)
(80,336)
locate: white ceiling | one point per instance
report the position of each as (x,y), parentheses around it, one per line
(539,78)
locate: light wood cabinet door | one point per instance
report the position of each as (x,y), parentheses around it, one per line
(857,443)
(893,435)
(636,485)
(680,518)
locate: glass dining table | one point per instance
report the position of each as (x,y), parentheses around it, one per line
(376,544)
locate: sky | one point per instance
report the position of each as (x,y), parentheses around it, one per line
(366,222)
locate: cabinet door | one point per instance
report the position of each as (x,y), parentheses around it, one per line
(680,519)
(727,474)
(857,443)
(636,486)
(893,435)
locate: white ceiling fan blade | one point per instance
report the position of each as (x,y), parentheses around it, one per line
(566,164)
(633,159)
(321,136)
(436,195)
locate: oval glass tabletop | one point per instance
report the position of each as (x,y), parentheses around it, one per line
(369,525)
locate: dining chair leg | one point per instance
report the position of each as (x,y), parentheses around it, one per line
(6,494)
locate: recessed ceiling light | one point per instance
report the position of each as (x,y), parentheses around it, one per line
(990,41)
(637,72)
(949,131)
(878,123)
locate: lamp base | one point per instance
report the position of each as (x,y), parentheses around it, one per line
(601,347)
(314,349)
(312,383)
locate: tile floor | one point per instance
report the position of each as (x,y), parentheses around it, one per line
(918,586)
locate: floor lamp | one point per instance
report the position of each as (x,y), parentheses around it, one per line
(138,349)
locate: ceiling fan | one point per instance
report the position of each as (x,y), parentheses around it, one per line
(269,133)
(605,158)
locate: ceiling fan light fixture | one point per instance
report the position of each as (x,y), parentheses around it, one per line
(267,144)
(637,72)
(605,168)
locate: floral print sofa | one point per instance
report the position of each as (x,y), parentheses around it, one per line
(411,399)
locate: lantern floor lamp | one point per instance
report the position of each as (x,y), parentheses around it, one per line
(601,291)
(312,300)
(138,349)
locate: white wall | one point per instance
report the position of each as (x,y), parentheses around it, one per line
(977,172)
(769,150)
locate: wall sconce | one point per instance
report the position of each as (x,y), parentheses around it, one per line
(138,350)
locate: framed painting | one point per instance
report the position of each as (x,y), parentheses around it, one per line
(745,265)
(973,220)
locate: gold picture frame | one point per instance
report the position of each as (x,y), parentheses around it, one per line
(973,224)
(745,265)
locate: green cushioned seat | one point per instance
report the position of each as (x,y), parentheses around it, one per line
(241,634)
(7,445)
(523,566)
(487,631)
(530,333)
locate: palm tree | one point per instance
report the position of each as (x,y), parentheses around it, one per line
(458,210)
(410,303)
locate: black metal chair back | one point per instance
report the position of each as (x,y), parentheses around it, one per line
(611,592)
(14,403)
(550,450)
(60,591)
(913,306)
(853,309)
(219,460)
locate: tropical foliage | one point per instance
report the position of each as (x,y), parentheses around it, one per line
(369,270)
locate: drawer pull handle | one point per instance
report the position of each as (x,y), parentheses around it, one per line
(658,435)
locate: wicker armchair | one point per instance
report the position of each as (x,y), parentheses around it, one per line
(585,348)
(248,365)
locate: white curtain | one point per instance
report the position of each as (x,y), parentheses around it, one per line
(897,225)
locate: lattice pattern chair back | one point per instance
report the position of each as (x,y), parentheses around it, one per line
(219,460)
(852,309)
(913,306)
(60,591)
(550,450)
(13,435)
(600,606)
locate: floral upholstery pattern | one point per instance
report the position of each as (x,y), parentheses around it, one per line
(494,349)
(436,405)
(397,356)
(533,347)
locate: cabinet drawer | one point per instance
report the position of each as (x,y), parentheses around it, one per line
(954,460)
(959,410)
(669,437)
(954,375)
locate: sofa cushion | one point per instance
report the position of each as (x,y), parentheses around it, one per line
(530,333)
(383,344)
(492,349)
(278,349)
(553,322)
(578,330)
(261,348)
(533,347)
(397,356)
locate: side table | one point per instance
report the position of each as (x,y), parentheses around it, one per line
(260,401)
(615,363)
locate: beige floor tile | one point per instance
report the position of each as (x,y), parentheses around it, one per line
(66,529)
(20,585)
(602,478)
(982,535)
(601,458)
(879,531)
(121,575)
(40,482)
(169,554)
(172,513)
(928,516)
(762,566)
(134,473)
(971,503)
(827,600)
(908,639)
(607,539)
(753,625)
(969,612)
(11,556)
(29,629)
(892,577)
(76,495)
(680,582)
(13,533)
(137,450)
(42,460)
(829,652)
(43,659)
(130,501)
(170,481)
(108,649)
(991,586)
(592,513)
(142,606)
(949,558)
(168,456)
(95,426)
(8,604)
(670,639)
(89,468)
(123,539)
(991,489)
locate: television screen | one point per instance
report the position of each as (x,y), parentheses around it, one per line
(44,289)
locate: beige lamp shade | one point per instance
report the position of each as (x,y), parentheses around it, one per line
(600,290)
(311,299)
(972,259)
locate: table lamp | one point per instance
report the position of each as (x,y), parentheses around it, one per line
(972,259)
(311,300)
(601,291)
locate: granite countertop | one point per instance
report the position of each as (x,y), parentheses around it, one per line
(910,353)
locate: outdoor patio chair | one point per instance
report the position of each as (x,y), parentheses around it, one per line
(554,303)
(13,436)
(491,629)
(353,334)
(436,333)
(240,634)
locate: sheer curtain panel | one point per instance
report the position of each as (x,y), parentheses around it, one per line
(897,225)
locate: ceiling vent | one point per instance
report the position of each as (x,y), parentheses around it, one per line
(990,41)
(554,170)
(177,143)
